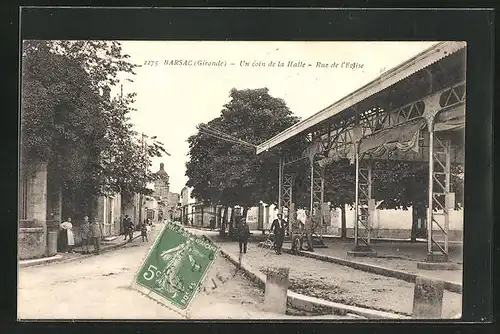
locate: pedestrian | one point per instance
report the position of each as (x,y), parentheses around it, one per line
(212,224)
(62,240)
(67,228)
(86,235)
(96,232)
(278,228)
(144,232)
(243,234)
(297,227)
(309,230)
(131,227)
(125,226)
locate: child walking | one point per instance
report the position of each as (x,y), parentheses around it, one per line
(144,232)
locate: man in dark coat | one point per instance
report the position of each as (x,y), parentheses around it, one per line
(243,234)
(278,227)
(130,230)
(125,226)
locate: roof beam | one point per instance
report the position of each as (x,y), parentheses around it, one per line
(387,79)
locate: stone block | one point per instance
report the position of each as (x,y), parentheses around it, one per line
(31,243)
(427,298)
(368,253)
(301,305)
(52,243)
(438,266)
(275,297)
(362,251)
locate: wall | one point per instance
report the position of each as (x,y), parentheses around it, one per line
(37,194)
(151,204)
(252,217)
(208,213)
(397,223)
(109,213)
(32,243)
(130,208)
(386,223)
(32,237)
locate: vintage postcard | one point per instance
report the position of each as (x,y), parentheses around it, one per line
(241,180)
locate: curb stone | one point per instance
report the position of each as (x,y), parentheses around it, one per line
(44,260)
(306,303)
(61,259)
(374,269)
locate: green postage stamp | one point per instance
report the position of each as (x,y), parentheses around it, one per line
(175,267)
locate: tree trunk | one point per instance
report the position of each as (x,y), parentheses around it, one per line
(231,223)
(343,234)
(414,222)
(222,231)
(219,217)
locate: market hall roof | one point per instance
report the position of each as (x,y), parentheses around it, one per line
(402,78)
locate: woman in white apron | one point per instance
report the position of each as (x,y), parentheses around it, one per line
(68,227)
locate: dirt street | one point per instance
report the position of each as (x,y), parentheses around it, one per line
(98,287)
(343,284)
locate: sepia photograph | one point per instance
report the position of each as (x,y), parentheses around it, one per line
(256,180)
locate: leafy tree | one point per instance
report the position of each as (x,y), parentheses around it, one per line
(229,173)
(399,184)
(68,120)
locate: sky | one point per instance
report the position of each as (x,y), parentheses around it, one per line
(172,99)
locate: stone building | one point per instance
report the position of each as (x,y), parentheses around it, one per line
(186,206)
(161,193)
(161,184)
(44,203)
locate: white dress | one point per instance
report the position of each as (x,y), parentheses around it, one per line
(68,227)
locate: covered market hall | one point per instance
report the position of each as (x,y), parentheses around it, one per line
(414,112)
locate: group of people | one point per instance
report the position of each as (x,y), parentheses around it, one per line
(129,227)
(91,233)
(299,230)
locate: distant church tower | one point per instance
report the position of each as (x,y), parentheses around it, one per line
(162,186)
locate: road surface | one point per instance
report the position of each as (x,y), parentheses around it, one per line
(98,287)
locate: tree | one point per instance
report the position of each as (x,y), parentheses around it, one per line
(228,173)
(399,184)
(69,121)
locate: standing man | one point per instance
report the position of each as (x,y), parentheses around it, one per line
(297,231)
(130,229)
(278,227)
(243,234)
(125,227)
(128,226)
(86,234)
(309,230)
(96,231)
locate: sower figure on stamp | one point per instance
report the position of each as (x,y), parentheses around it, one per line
(297,230)
(278,227)
(168,280)
(243,234)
